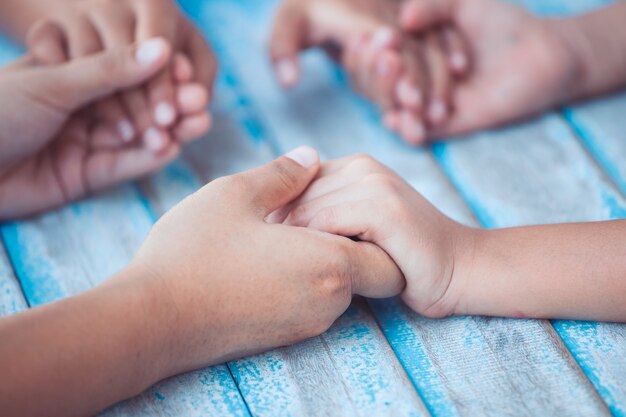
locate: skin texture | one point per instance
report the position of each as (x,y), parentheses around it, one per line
(451,269)
(179,305)
(361,35)
(521,64)
(62,30)
(62,155)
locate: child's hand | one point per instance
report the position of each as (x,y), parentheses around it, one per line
(225,283)
(359,197)
(150,112)
(49,152)
(412,87)
(520,63)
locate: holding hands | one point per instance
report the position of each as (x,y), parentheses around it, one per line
(435,68)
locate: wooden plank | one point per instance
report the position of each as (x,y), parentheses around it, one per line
(461,366)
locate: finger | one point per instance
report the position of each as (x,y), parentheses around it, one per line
(202,58)
(440,80)
(364,73)
(151,22)
(287,40)
(387,67)
(82,38)
(411,128)
(112,111)
(302,213)
(279,182)
(107,167)
(413,85)
(378,276)
(421,15)
(457,50)
(192,127)
(84,80)
(191,98)
(47,43)
(182,69)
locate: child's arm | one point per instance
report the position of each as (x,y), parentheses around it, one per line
(212,282)
(561,271)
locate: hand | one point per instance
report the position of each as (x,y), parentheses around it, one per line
(79,28)
(227,284)
(363,35)
(520,63)
(359,197)
(49,155)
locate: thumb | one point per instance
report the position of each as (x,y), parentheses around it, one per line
(83,80)
(420,15)
(287,39)
(281,181)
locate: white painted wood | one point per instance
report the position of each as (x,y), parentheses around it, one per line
(526,364)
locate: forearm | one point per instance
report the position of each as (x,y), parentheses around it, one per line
(575,271)
(78,355)
(596,42)
(17,16)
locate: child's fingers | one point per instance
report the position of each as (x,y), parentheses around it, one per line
(411,128)
(192,127)
(457,50)
(107,167)
(162,99)
(387,66)
(46,43)
(192,98)
(112,111)
(413,86)
(182,69)
(136,104)
(440,80)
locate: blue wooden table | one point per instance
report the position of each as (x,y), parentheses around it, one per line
(379,359)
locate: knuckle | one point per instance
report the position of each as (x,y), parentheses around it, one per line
(364,164)
(381,182)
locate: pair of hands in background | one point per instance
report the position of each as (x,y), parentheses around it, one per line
(108,92)
(434,67)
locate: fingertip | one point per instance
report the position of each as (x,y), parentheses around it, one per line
(408,15)
(437,112)
(287,71)
(164,114)
(304,156)
(192,98)
(155,140)
(182,69)
(383,37)
(458,62)
(193,127)
(408,94)
(412,129)
(152,51)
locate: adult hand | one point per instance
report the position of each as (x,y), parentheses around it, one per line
(151,112)
(240,285)
(213,281)
(520,63)
(49,157)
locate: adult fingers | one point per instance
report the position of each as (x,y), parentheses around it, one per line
(288,38)
(275,184)
(46,42)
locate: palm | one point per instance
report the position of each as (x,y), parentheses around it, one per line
(519,67)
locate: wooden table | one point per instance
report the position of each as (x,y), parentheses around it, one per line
(379,358)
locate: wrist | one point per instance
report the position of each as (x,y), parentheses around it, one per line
(465,248)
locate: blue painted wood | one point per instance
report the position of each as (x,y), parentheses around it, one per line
(526,364)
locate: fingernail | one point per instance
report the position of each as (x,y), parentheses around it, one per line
(304,155)
(287,72)
(437,111)
(382,38)
(458,61)
(154,140)
(164,113)
(150,51)
(126,130)
(408,94)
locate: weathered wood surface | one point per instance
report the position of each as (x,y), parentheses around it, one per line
(537,172)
